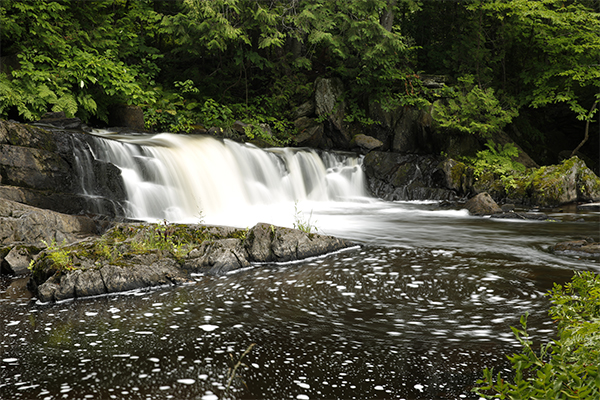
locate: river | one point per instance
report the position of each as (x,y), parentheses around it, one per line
(415,310)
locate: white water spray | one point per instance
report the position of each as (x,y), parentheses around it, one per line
(184,178)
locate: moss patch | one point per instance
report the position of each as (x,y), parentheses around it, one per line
(126,241)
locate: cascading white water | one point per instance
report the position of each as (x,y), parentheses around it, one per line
(183,178)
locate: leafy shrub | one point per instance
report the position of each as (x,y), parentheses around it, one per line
(212,113)
(473,110)
(499,160)
(565,368)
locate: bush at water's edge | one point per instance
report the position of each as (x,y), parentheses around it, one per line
(565,368)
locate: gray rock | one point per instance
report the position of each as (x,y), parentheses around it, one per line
(23,223)
(240,127)
(311,133)
(263,243)
(578,248)
(395,176)
(217,257)
(564,183)
(145,271)
(90,283)
(366,143)
(268,243)
(328,99)
(16,262)
(482,204)
(258,242)
(330,106)
(507,207)
(305,110)
(46,291)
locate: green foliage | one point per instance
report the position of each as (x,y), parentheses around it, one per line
(213,113)
(500,161)
(372,60)
(565,368)
(211,62)
(557,48)
(59,254)
(473,110)
(69,57)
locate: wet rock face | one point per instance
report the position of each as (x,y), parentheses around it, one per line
(40,168)
(396,176)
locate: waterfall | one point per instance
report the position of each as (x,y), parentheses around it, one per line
(193,178)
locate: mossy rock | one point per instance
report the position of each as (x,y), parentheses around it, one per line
(566,182)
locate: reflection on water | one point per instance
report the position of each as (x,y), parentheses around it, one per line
(416,312)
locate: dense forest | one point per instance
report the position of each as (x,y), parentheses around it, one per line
(531,68)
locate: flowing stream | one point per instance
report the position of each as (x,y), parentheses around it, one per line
(416,310)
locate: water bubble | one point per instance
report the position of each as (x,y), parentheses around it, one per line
(208,327)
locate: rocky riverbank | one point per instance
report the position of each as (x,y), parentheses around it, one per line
(67,258)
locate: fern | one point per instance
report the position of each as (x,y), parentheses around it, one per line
(500,161)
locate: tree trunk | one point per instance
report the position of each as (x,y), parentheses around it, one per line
(587,128)
(387,19)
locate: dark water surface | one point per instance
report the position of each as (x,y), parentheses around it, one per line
(415,312)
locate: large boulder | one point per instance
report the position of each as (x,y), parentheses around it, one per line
(268,243)
(567,182)
(483,204)
(396,176)
(16,261)
(366,143)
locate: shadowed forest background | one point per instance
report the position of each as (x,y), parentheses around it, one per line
(530,68)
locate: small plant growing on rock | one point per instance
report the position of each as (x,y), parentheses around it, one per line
(303,225)
(59,255)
